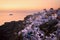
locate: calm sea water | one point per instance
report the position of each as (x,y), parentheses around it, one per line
(7,17)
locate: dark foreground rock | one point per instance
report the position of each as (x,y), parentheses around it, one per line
(9,31)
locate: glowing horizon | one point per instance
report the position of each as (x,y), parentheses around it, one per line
(28,4)
(25,7)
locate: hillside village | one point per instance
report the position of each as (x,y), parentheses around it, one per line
(43,25)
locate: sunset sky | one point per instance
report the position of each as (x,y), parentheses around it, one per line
(25,7)
(28,4)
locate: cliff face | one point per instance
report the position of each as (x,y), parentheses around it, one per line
(9,31)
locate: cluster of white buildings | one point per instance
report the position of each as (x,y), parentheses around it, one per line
(32,31)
